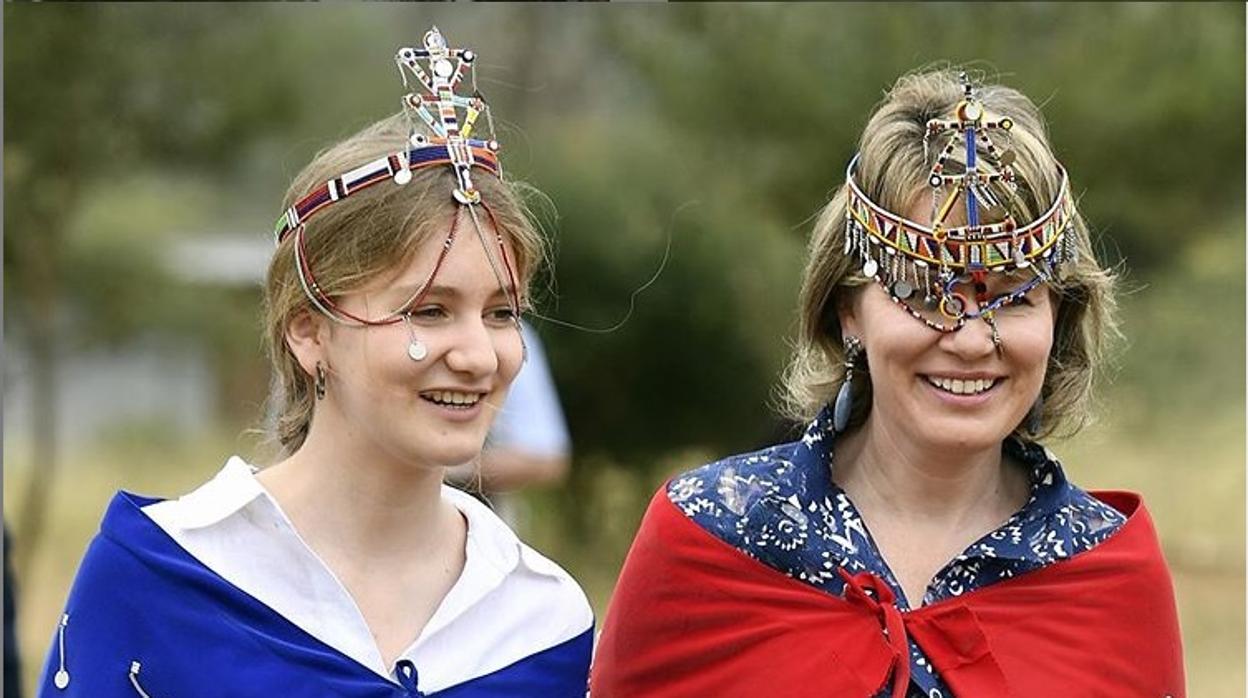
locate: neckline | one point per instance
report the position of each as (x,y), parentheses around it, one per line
(1046,494)
(491,552)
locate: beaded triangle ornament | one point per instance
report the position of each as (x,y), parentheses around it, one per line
(439,70)
(923,266)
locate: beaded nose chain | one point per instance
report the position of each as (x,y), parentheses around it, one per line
(439,70)
(922,266)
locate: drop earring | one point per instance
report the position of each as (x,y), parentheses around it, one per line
(845,396)
(416,349)
(319,384)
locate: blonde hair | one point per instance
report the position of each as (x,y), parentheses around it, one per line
(356,239)
(892,171)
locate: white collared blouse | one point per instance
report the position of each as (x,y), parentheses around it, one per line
(509,602)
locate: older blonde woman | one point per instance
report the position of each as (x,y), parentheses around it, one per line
(348,568)
(917,540)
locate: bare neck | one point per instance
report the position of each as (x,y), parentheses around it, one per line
(359,504)
(889,474)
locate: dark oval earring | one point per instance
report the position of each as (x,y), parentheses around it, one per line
(845,396)
(319,384)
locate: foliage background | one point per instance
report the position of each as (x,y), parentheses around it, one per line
(723,127)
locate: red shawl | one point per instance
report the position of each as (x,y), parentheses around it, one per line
(694,616)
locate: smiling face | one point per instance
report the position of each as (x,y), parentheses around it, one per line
(953,390)
(434,412)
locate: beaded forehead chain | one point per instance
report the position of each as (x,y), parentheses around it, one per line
(438,70)
(920,266)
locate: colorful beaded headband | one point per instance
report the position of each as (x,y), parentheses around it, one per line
(396,166)
(921,265)
(449,144)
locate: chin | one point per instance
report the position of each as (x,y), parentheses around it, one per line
(963,437)
(451,455)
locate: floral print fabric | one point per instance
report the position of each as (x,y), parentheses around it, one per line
(781,507)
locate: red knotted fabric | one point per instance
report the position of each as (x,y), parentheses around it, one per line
(862,589)
(693,616)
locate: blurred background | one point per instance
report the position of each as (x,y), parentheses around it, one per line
(146,150)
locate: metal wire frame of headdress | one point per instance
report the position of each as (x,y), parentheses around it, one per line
(450,143)
(908,258)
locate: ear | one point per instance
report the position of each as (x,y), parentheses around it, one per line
(306,335)
(846,313)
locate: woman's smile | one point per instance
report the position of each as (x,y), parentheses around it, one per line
(456,405)
(963,391)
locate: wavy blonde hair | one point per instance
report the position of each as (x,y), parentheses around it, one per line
(893,167)
(372,233)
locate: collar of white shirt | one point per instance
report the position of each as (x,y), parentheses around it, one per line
(509,602)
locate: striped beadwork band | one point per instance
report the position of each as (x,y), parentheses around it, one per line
(389,167)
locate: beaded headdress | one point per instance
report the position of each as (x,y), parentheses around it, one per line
(438,71)
(922,267)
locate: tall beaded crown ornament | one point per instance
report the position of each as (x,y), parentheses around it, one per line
(923,266)
(438,71)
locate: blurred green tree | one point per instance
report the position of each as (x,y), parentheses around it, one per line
(750,112)
(95,93)
(780,93)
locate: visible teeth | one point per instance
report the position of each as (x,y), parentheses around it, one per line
(962,387)
(451,397)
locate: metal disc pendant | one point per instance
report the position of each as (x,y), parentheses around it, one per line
(952,306)
(903,290)
(466,197)
(61,679)
(870,267)
(1007,158)
(417,350)
(403,176)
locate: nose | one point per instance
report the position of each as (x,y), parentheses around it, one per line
(972,341)
(472,349)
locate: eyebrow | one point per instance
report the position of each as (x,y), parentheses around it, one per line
(441,290)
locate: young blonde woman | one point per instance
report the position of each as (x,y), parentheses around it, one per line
(348,568)
(917,540)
